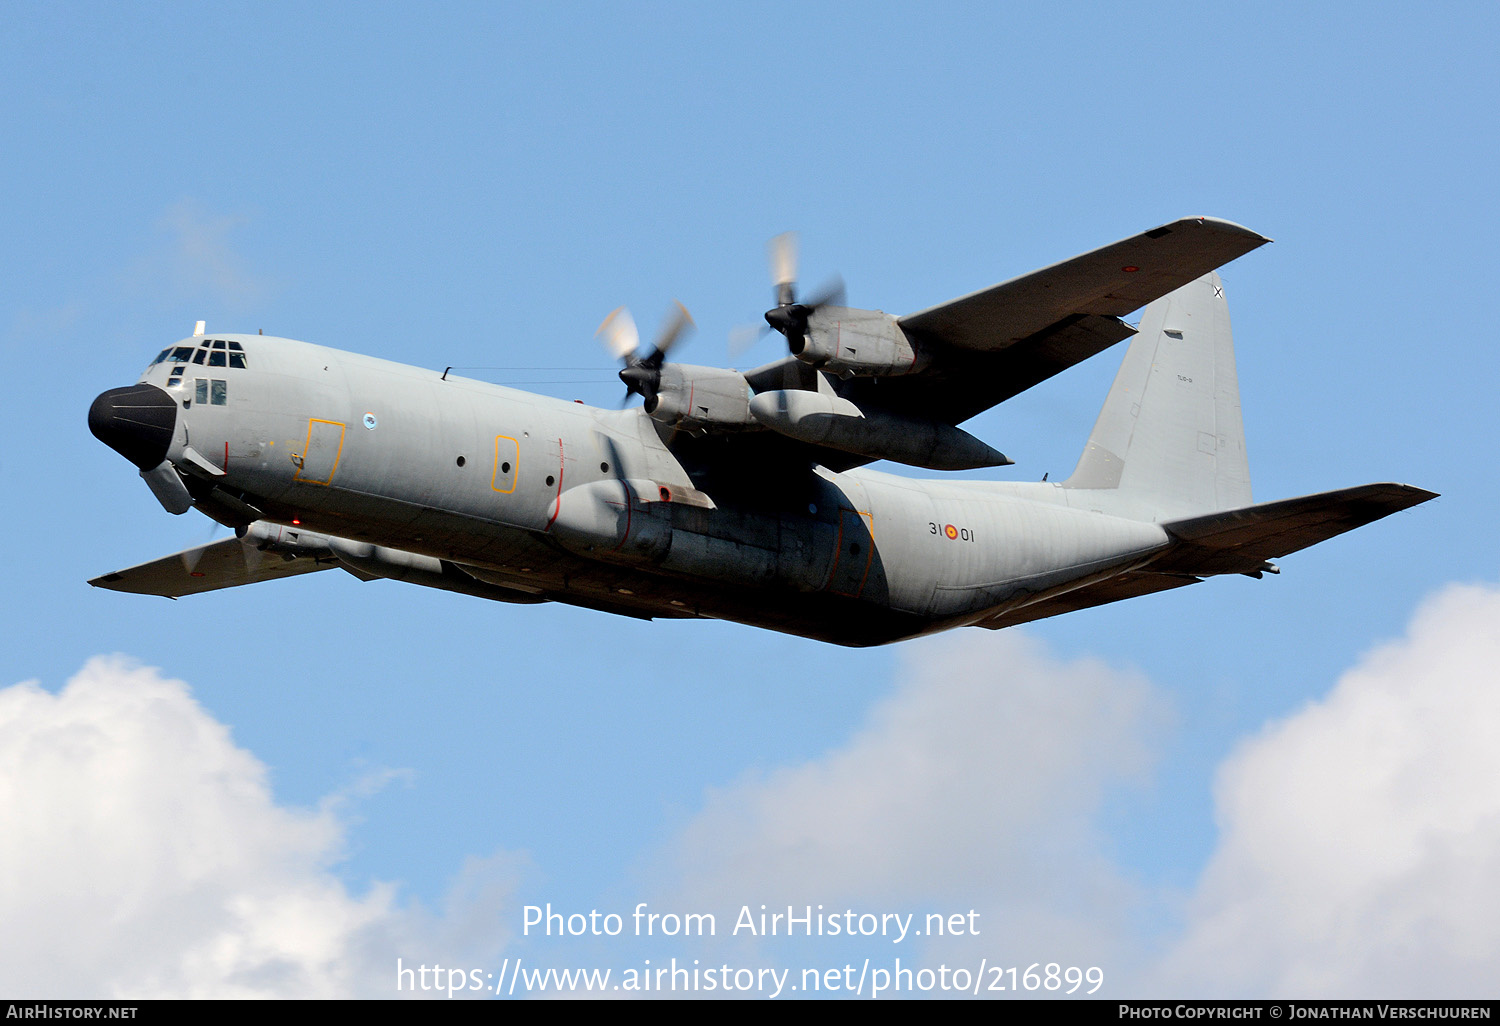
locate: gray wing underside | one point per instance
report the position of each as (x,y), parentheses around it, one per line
(1238,541)
(991,345)
(1106,283)
(998,342)
(222,564)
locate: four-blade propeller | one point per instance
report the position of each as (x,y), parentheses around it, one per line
(788,316)
(642,374)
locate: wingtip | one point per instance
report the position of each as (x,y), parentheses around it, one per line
(1228,227)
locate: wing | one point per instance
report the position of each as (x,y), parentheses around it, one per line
(994,344)
(221,564)
(1107,283)
(981,349)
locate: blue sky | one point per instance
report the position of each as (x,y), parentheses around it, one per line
(477,185)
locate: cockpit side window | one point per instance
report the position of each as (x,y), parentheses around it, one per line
(200,356)
(216,358)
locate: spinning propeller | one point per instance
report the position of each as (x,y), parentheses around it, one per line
(642,374)
(789,316)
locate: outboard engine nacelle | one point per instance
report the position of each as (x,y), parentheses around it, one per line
(858,343)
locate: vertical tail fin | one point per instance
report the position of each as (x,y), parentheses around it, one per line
(1170,439)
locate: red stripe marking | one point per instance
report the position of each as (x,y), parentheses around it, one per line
(557,503)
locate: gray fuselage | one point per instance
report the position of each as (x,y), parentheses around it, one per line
(543,499)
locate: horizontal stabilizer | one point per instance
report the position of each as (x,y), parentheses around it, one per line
(1240,540)
(228,563)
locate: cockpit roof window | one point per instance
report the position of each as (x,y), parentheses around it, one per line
(233,344)
(217,343)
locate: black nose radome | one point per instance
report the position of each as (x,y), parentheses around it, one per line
(136,421)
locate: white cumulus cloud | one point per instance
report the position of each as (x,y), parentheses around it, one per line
(976,784)
(1360,837)
(144,855)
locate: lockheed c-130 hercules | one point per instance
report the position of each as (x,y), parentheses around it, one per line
(744,496)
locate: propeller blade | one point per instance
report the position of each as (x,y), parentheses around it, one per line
(612,455)
(191,557)
(679,324)
(745,337)
(619,334)
(831,294)
(783,253)
(253,555)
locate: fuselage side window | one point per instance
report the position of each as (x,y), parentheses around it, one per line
(200,391)
(219,391)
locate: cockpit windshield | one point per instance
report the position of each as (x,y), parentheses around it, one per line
(215,352)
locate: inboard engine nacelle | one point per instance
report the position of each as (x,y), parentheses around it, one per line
(820,419)
(700,398)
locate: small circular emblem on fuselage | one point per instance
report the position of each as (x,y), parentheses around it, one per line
(951,532)
(370,421)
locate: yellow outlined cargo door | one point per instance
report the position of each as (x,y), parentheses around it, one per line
(852,553)
(320,456)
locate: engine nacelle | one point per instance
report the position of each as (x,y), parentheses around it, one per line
(701,398)
(858,343)
(828,420)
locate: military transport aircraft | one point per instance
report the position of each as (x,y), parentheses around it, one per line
(743,496)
